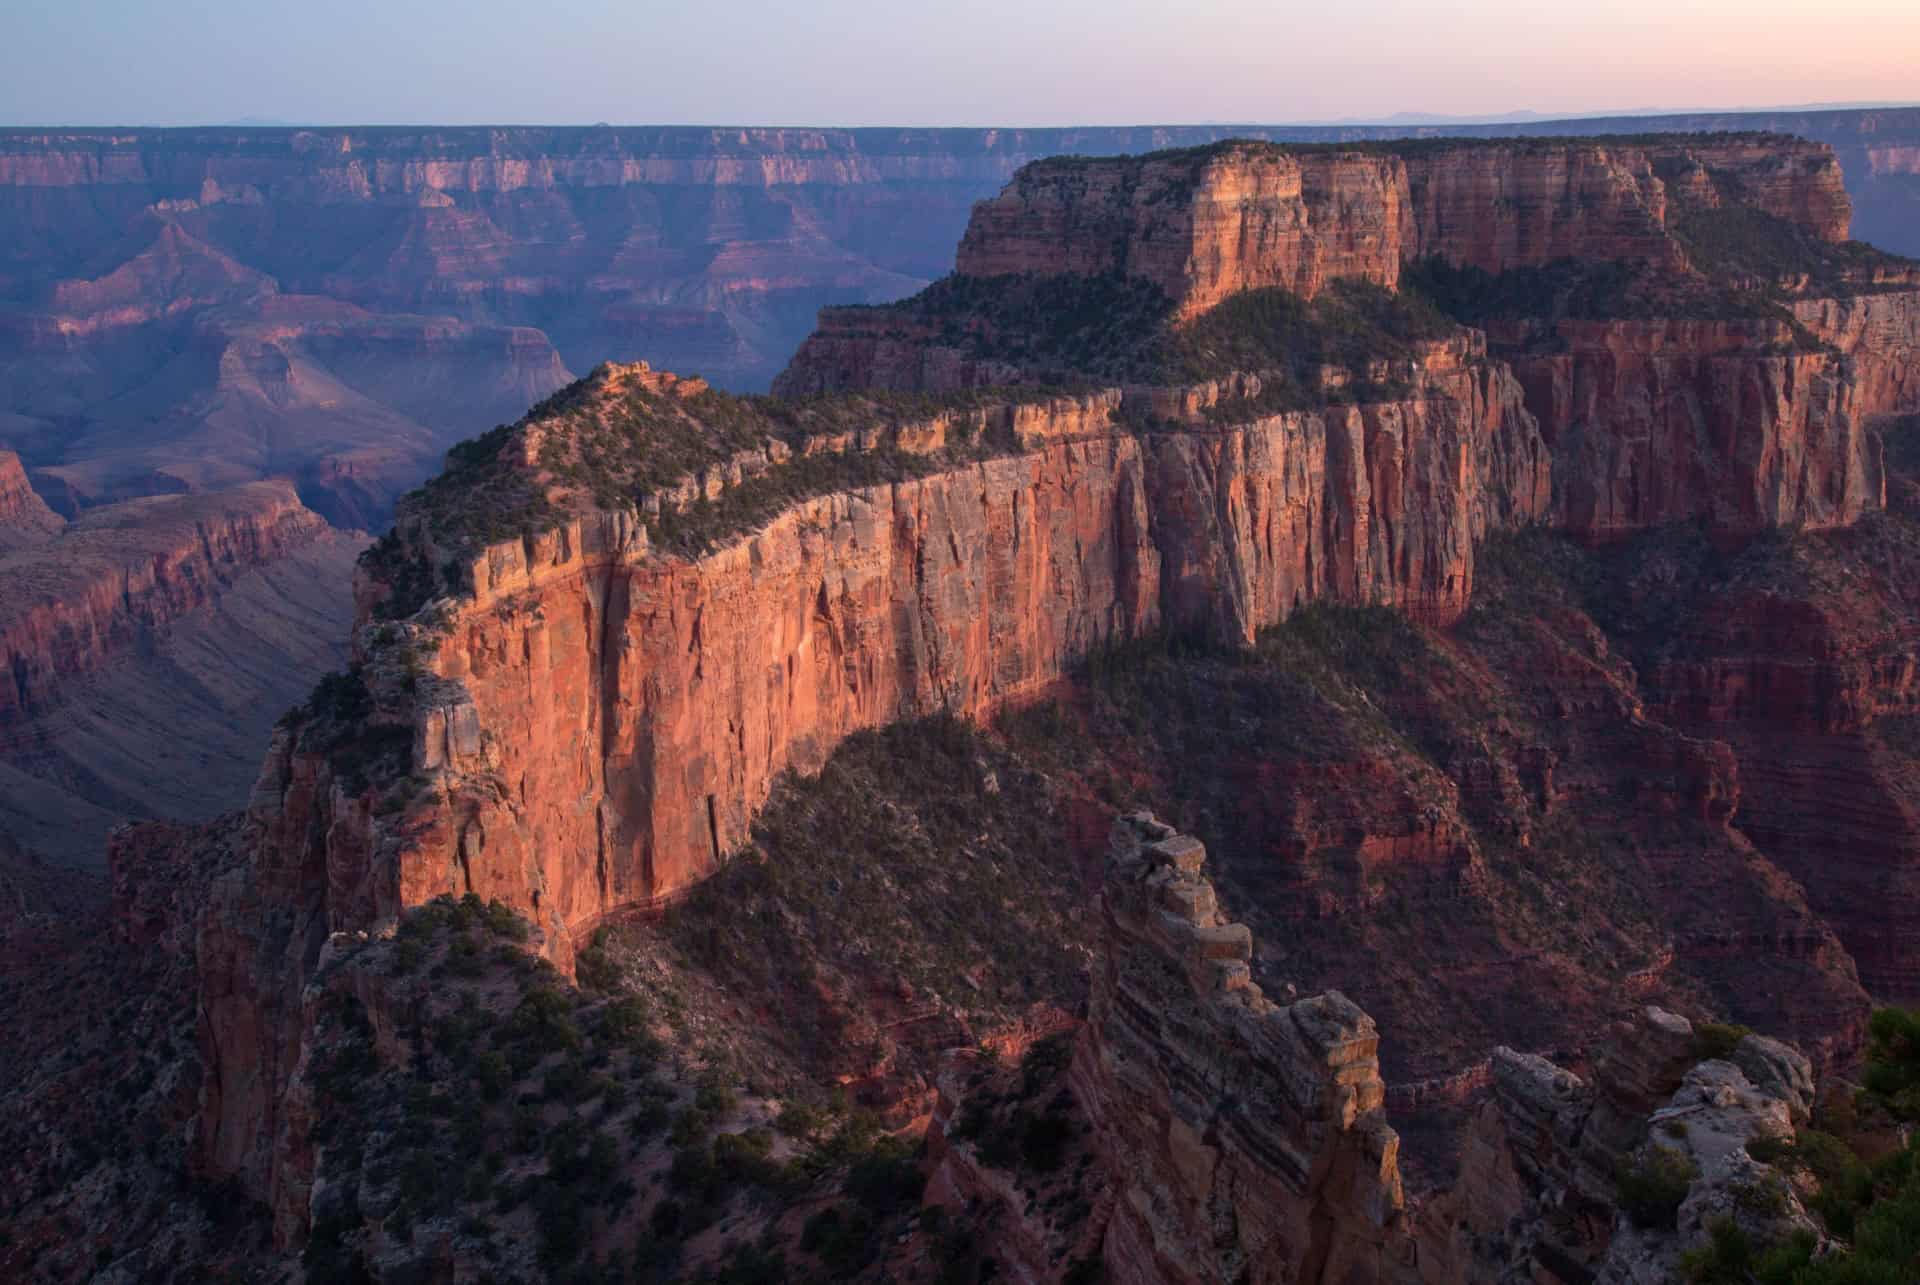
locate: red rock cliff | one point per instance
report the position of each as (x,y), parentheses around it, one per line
(1205,224)
(591,721)
(81,597)
(1726,421)
(596,725)
(1248,1139)
(24,517)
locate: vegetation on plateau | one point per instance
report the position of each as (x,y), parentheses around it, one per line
(560,1133)
(1865,1192)
(620,451)
(1112,328)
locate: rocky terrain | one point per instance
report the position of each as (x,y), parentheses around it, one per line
(194,306)
(738,797)
(193,310)
(148,645)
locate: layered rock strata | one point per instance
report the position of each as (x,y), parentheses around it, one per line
(590,719)
(1760,419)
(1208,224)
(1247,1138)
(24,517)
(1538,1194)
(595,727)
(1722,422)
(105,582)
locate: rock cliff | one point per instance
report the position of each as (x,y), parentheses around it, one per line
(1206,224)
(1246,1138)
(102,583)
(1673,421)
(24,517)
(1539,1197)
(1675,375)
(589,649)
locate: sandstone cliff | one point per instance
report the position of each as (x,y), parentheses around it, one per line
(1247,1138)
(1206,224)
(105,580)
(24,517)
(1726,422)
(587,652)
(1675,375)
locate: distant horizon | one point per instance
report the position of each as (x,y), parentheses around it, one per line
(1407,119)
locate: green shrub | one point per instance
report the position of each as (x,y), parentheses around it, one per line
(649,1120)
(801,1121)
(1893,1061)
(690,1125)
(1653,1187)
(594,967)
(715,1098)
(543,1021)
(1717,1039)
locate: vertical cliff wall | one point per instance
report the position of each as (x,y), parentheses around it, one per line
(1726,422)
(596,725)
(93,588)
(1205,224)
(1247,1139)
(601,721)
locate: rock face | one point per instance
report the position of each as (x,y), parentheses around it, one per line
(703,680)
(1537,1197)
(591,721)
(1673,421)
(1206,224)
(1247,1138)
(24,517)
(1747,424)
(79,599)
(595,727)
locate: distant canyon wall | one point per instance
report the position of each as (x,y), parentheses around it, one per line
(146,647)
(194,308)
(1239,219)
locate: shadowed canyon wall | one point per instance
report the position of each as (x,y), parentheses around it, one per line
(147,647)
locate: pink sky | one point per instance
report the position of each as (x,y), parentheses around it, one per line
(908,62)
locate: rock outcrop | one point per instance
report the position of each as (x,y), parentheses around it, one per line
(1722,422)
(24,517)
(1540,1192)
(108,579)
(1206,224)
(594,728)
(587,653)
(1747,417)
(1246,1139)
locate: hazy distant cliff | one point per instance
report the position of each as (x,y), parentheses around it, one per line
(191,308)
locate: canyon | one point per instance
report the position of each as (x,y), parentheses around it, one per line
(150,645)
(193,310)
(586,716)
(1496,648)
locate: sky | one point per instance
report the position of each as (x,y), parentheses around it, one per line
(925,62)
